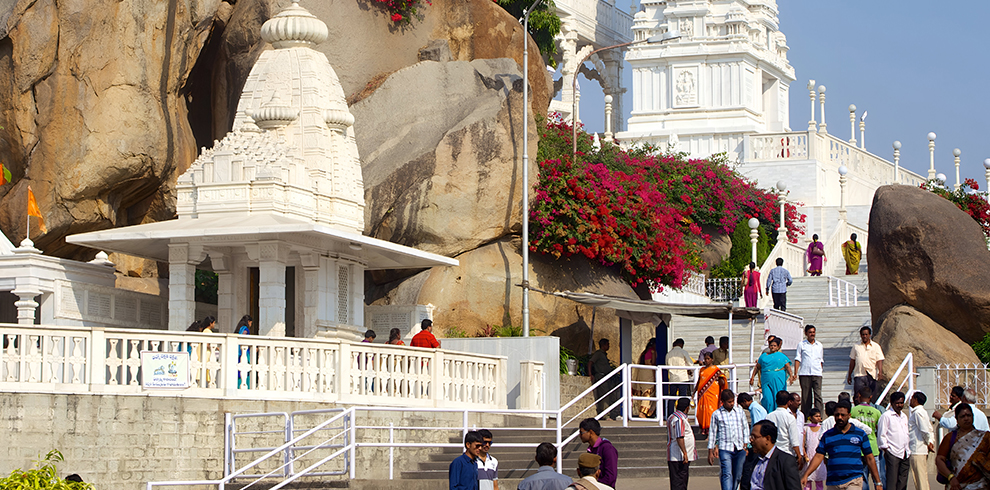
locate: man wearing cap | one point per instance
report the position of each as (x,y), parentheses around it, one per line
(588,473)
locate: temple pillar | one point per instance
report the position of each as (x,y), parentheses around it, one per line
(225,291)
(312,272)
(182,261)
(271,288)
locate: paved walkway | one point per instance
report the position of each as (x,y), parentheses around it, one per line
(712,483)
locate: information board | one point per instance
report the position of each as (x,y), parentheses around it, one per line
(164,370)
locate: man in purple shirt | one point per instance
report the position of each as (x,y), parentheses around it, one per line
(591,431)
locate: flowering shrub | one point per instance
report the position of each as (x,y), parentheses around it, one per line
(402,11)
(638,210)
(967,199)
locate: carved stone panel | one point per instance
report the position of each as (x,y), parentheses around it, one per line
(685,86)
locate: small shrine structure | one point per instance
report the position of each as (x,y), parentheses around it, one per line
(275,208)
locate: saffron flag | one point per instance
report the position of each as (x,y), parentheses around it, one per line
(4,174)
(34,211)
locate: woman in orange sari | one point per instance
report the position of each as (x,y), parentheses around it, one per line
(711,382)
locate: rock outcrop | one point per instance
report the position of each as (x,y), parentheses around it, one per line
(95,115)
(904,329)
(484,289)
(108,102)
(441,146)
(926,253)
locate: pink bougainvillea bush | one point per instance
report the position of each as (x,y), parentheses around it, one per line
(967,199)
(639,210)
(401,11)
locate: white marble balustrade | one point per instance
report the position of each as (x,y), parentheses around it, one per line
(805,145)
(98,360)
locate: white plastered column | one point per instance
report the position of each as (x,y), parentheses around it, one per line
(221,262)
(313,270)
(182,261)
(271,288)
(612,64)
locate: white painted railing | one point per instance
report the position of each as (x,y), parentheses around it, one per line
(907,369)
(787,326)
(107,306)
(975,376)
(805,145)
(695,284)
(85,360)
(842,292)
(724,289)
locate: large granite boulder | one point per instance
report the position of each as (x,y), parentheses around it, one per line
(366,46)
(441,149)
(483,290)
(108,102)
(904,329)
(95,115)
(926,253)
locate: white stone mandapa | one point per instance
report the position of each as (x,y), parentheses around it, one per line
(277,205)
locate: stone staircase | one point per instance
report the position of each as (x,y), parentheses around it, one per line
(642,449)
(837,328)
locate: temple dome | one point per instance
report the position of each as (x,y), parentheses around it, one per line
(294,26)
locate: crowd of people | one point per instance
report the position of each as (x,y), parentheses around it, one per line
(597,468)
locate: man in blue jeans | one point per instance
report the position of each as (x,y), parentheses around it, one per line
(727,440)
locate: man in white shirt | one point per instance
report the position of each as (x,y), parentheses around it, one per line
(681,450)
(809,361)
(894,443)
(865,363)
(487,464)
(788,433)
(921,438)
(680,379)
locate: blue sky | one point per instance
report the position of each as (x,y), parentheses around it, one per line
(915,66)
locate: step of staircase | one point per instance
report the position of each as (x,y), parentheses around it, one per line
(642,449)
(837,327)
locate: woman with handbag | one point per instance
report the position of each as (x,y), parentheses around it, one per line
(963,458)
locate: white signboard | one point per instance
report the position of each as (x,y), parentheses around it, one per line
(164,370)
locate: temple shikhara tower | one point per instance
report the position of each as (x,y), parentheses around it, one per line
(726,76)
(275,208)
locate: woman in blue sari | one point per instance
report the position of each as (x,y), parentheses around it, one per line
(774,369)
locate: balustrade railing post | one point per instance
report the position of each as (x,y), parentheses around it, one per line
(229,369)
(343,380)
(626,395)
(437,391)
(97,359)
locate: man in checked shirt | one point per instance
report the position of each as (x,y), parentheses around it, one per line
(727,440)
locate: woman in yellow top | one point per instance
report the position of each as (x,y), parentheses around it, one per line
(853,253)
(711,382)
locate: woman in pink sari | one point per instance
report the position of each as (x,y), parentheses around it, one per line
(751,286)
(816,256)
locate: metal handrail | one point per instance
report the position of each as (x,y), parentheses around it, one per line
(842,291)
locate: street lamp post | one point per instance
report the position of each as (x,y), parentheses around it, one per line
(667,36)
(931,156)
(754,236)
(812,126)
(955,155)
(782,229)
(852,124)
(525,171)
(842,192)
(897,162)
(986,165)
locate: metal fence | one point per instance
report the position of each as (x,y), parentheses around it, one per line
(724,290)
(969,376)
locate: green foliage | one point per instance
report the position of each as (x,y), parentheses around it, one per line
(544,24)
(206,287)
(453,332)
(565,355)
(500,331)
(742,251)
(982,348)
(43,476)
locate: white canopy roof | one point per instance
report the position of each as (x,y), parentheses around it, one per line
(151,240)
(648,311)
